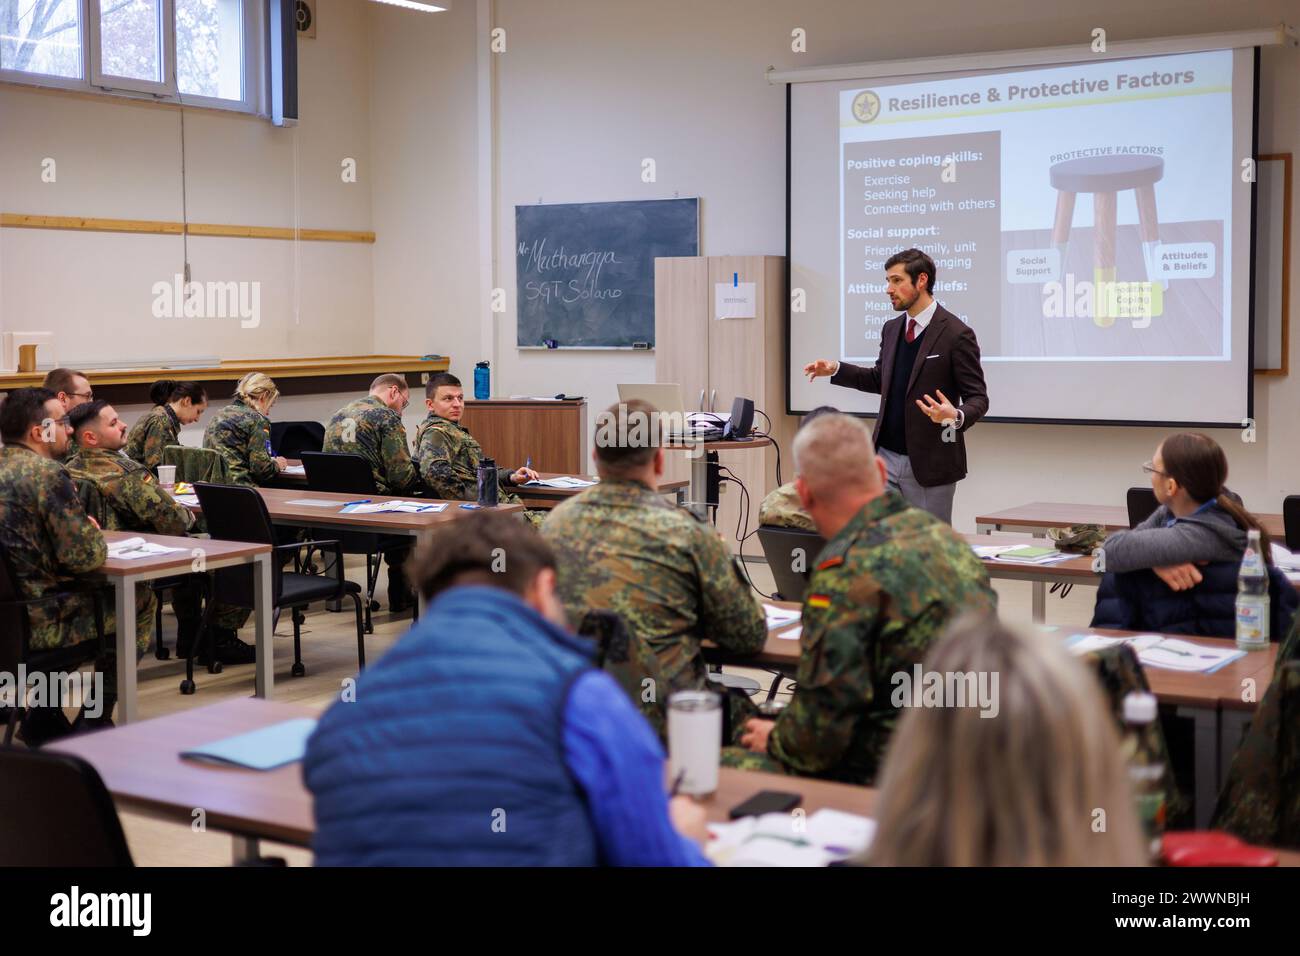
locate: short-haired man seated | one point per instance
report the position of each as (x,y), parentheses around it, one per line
(485,737)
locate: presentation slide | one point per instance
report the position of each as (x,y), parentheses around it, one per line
(1089,221)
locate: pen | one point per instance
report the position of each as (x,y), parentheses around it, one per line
(681,775)
(529,462)
(362,501)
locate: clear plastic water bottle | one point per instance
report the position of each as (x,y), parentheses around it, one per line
(1146,770)
(482,381)
(1252,597)
(488,490)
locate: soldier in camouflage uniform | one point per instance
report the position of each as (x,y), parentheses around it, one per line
(623,547)
(1261,800)
(241,432)
(130,499)
(49,540)
(888,581)
(71,388)
(782,507)
(447,454)
(372,428)
(174,404)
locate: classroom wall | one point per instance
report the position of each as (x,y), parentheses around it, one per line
(119,158)
(587,88)
(424,178)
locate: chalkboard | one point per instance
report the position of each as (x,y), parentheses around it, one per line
(586,271)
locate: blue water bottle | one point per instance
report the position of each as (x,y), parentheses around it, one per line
(482,381)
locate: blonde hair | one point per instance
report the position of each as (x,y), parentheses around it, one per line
(256,385)
(834,456)
(1022,788)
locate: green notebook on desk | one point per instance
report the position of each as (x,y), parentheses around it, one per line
(263,749)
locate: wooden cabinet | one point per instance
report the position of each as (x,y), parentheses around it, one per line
(721,359)
(553,434)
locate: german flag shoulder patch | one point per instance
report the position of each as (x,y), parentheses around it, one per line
(831,562)
(818,600)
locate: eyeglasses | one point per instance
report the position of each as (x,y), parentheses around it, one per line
(1151,469)
(88,396)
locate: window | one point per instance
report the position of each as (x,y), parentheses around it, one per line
(202,52)
(209,48)
(41,37)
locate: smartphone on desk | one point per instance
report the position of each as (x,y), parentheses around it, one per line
(766,801)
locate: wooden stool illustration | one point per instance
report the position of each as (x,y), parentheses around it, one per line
(1104,177)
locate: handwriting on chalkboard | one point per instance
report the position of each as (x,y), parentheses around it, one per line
(586,286)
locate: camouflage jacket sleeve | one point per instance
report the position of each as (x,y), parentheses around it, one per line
(835,679)
(153,508)
(730,614)
(148,440)
(78,545)
(401,476)
(261,466)
(440,469)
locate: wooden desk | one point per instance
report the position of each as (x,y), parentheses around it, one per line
(141,767)
(279,504)
(553,434)
(1037,516)
(124,575)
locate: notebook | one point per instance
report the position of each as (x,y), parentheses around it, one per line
(263,749)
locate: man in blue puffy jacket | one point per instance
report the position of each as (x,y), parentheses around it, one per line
(485,736)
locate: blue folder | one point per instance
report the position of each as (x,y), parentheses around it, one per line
(262,749)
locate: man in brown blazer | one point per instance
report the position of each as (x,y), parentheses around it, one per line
(925,352)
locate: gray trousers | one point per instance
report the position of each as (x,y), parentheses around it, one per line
(936,499)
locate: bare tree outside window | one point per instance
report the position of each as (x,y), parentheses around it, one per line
(46,36)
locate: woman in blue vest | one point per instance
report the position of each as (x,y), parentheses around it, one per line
(485,736)
(1176,572)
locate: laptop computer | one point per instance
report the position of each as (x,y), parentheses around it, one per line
(667,398)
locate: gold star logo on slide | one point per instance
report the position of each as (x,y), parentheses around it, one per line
(866,106)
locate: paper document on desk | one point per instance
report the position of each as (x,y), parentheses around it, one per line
(300,470)
(390,507)
(563,483)
(1285,559)
(189,501)
(774,839)
(1156,650)
(778,616)
(792,634)
(1029,554)
(132,549)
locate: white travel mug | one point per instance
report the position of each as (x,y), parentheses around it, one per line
(167,476)
(694,741)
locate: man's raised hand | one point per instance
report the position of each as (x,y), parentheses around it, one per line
(819,368)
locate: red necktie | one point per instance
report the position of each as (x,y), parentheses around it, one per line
(911,331)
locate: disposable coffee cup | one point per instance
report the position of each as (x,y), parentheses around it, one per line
(694,741)
(167,476)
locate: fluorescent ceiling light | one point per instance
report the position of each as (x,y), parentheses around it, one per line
(424,6)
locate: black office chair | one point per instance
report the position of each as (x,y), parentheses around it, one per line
(236,513)
(1291,521)
(349,474)
(16,634)
(1141,505)
(291,439)
(786,550)
(55,811)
